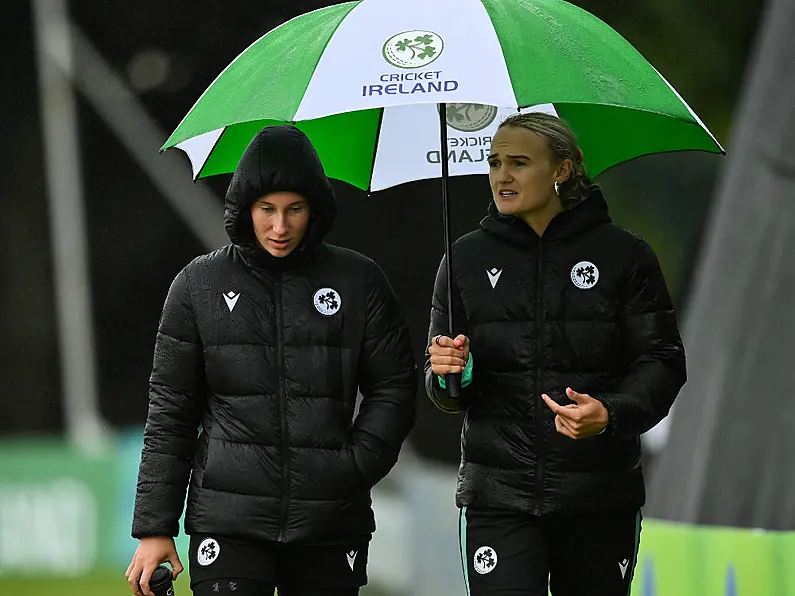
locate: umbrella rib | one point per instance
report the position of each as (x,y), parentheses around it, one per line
(375,151)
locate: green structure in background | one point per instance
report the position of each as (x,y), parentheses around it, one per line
(63,513)
(684,560)
(57,509)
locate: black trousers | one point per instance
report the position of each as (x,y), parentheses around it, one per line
(225,565)
(513,554)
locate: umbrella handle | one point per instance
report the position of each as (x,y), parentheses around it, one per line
(452,381)
(453,384)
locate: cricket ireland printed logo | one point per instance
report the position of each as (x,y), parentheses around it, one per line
(470,117)
(413,49)
(411,52)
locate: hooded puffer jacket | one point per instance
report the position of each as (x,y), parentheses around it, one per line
(256,368)
(585,306)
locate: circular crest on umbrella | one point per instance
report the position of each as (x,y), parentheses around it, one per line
(470,117)
(413,49)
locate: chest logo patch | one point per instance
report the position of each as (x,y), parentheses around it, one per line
(231,300)
(494,276)
(327,301)
(585,275)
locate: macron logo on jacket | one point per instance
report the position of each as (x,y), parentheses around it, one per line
(494,276)
(231,299)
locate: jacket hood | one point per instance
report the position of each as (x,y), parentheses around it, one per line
(582,216)
(279,158)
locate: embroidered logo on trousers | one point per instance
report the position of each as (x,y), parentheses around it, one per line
(208,552)
(485,560)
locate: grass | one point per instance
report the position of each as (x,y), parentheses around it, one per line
(101,584)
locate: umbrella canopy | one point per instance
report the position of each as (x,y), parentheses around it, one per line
(363,80)
(358,78)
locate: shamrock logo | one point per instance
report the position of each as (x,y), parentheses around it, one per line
(470,117)
(413,49)
(208,551)
(327,301)
(485,560)
(585,275)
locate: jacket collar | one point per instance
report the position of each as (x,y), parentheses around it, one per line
(574,221)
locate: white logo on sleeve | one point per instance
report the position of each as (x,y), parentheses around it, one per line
(351,558)
(208,552)
(327,301)
(623,565)
(585,275)
(494,276)
(231,299)
(485,560)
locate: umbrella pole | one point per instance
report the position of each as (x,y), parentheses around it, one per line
(453,381)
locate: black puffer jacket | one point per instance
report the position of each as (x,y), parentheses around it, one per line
(584,307)
(244,354)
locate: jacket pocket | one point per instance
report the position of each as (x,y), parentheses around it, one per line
(324,474)
(242,468)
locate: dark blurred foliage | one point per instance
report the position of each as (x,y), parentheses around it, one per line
(138,243)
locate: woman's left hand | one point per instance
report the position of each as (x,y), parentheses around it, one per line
(585,418)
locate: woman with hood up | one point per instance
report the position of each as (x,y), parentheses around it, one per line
(568,347)
(260,351)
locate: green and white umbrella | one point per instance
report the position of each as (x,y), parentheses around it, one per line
(363,79)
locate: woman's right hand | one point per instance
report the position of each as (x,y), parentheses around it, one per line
(150,553)
(449,356)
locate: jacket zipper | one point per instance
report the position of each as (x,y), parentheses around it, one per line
(539,419)
(285,439)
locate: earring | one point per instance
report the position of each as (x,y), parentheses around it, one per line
(557,188)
